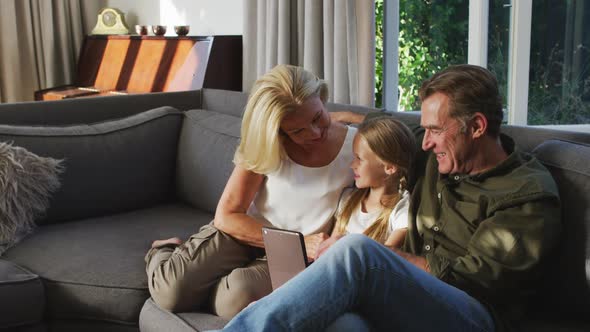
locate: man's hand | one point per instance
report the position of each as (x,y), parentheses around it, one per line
(347,117)
(312,244)
(327,244)
(419,262)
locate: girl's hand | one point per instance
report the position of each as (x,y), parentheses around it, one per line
(312,244)
(327,244)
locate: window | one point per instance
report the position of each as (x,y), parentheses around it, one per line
(432,35)
(559,76)
(498,43)
(547,39)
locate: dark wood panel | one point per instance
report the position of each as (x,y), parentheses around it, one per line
(140,64)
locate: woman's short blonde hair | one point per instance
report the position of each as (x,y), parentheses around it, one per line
(273,96)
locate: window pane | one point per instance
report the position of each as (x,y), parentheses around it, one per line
(559,89)
(433,35)
(498,44)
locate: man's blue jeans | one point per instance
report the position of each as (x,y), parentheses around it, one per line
(360,275)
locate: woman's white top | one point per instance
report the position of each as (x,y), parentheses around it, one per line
(360,221)
(301,198)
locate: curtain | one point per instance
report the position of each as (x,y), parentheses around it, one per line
(39,45)
(335,39)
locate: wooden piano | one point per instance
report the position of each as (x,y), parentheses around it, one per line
(140,64)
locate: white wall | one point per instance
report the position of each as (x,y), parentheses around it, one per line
(205,17)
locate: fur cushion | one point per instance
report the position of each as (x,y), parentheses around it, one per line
(26,183)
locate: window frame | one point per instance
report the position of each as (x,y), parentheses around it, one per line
(518,62)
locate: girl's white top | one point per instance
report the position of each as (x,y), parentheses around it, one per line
(360,221)
(304,198)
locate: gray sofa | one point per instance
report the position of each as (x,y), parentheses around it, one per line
(143,167)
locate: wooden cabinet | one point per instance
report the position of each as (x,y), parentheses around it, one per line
(140,64)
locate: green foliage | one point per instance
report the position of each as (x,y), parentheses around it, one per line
(433,35)
(559,88)
(561,100)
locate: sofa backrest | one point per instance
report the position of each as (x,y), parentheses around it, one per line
(226,102)
(93,109)
(566,279)
(234,103)
(110,167)
(205,152)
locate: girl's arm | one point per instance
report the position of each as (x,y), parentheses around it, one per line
(396,238)
(327,243)
(230,215)
(398,221)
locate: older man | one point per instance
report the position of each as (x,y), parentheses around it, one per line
(483,215)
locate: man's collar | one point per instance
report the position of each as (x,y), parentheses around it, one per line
(510,148)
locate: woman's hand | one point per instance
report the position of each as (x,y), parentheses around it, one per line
(312,244)
(326,244)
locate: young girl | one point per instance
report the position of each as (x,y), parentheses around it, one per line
(378,205)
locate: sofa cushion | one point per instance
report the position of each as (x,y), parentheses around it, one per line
(206,148)
(22,298)
(39,327)
(155,319)
(111,167)
(94,268)
(550,324)
(566,288)
(70,325)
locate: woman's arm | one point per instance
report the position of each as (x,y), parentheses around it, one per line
(230,216)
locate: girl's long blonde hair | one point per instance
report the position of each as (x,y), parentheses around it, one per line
(273,96)
(393,142)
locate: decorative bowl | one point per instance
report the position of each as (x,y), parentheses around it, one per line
(181,30)
(141,29)
(159,30)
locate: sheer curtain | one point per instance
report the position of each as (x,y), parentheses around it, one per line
(39,45)
(335,39)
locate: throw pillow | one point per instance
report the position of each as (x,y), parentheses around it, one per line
(26,184)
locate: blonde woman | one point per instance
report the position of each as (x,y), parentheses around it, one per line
(378,204)
(290,168)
